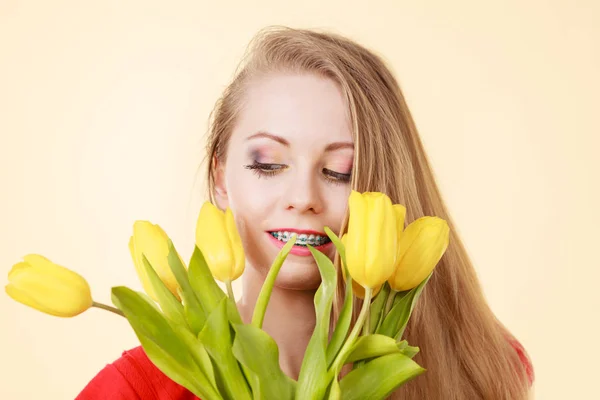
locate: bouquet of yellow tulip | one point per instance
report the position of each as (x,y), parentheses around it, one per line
(192,331)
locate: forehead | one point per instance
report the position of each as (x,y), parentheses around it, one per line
(302,108)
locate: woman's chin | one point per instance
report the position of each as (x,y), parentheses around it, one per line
(298,275)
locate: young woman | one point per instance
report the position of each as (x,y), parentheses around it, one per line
(308,117)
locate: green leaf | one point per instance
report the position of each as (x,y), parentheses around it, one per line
(372,346)
(341,249)
(198,352)
(149,300)
(410,351)
(340,331)
(216,338)
(379,378)
(258,352)
(335,392)
(342,326)
(206,288)
(314,376)
(260,307)
(377,307)
(162,344)
(395,322)
(233,313)
(194,312)
(169,304)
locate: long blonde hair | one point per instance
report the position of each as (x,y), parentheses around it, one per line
(464,347)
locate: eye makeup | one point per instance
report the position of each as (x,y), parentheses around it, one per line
(265,162)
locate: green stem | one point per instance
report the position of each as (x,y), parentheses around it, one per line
(388,306)
(230,290)
(390,301)
(343,354)
(260,308)
(108,308)
(367,325)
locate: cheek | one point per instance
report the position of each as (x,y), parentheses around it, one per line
(337,200)
(250,198)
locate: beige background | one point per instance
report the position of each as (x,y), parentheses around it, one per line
(103,107)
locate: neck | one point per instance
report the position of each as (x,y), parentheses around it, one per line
(289,319)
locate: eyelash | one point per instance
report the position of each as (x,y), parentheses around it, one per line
(268,170)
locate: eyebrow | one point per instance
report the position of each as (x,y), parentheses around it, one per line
(330,147)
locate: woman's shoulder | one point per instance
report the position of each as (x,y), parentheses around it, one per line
(524,358)
(133,377)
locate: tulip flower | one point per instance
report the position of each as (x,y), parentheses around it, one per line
(371,239)
(152,241)
(420,248)
(357,289)
(50,288)
(219,241)
(400,213)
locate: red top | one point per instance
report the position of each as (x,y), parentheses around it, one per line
(134,377)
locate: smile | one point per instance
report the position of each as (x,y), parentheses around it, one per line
(302,239)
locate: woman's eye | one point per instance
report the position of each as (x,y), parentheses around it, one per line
(336,177)
(262,169)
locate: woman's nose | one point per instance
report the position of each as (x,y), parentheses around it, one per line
(303,194)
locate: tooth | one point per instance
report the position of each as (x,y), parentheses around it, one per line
(311,239)
(286,236)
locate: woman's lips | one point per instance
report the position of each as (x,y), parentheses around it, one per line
(299,250)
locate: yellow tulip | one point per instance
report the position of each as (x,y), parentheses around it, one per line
(400,213)
(219,241)
(152,241)
(421,247)
(371,239)
(358,290)
(39,283)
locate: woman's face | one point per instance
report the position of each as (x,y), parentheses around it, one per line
(287,170)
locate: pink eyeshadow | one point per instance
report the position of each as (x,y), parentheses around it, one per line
(343,165)
(265,155)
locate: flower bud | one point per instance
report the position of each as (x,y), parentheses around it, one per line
(371,239)
(358,290)
(152,241)
(50,288)
(421,247)
(219,241)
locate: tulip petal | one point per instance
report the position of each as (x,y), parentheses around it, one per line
(52,272)
(139,268)
(381,238)
(18,268)
(235,241)
(437,238)
(422,245)
(357,289)
(22,297)
(400,213)
(38,260)
(54,289)
(212,239)
(354,241)
(152,241)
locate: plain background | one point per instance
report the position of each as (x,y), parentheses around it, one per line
(104,106)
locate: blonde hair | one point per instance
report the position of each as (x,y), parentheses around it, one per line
(465,348)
